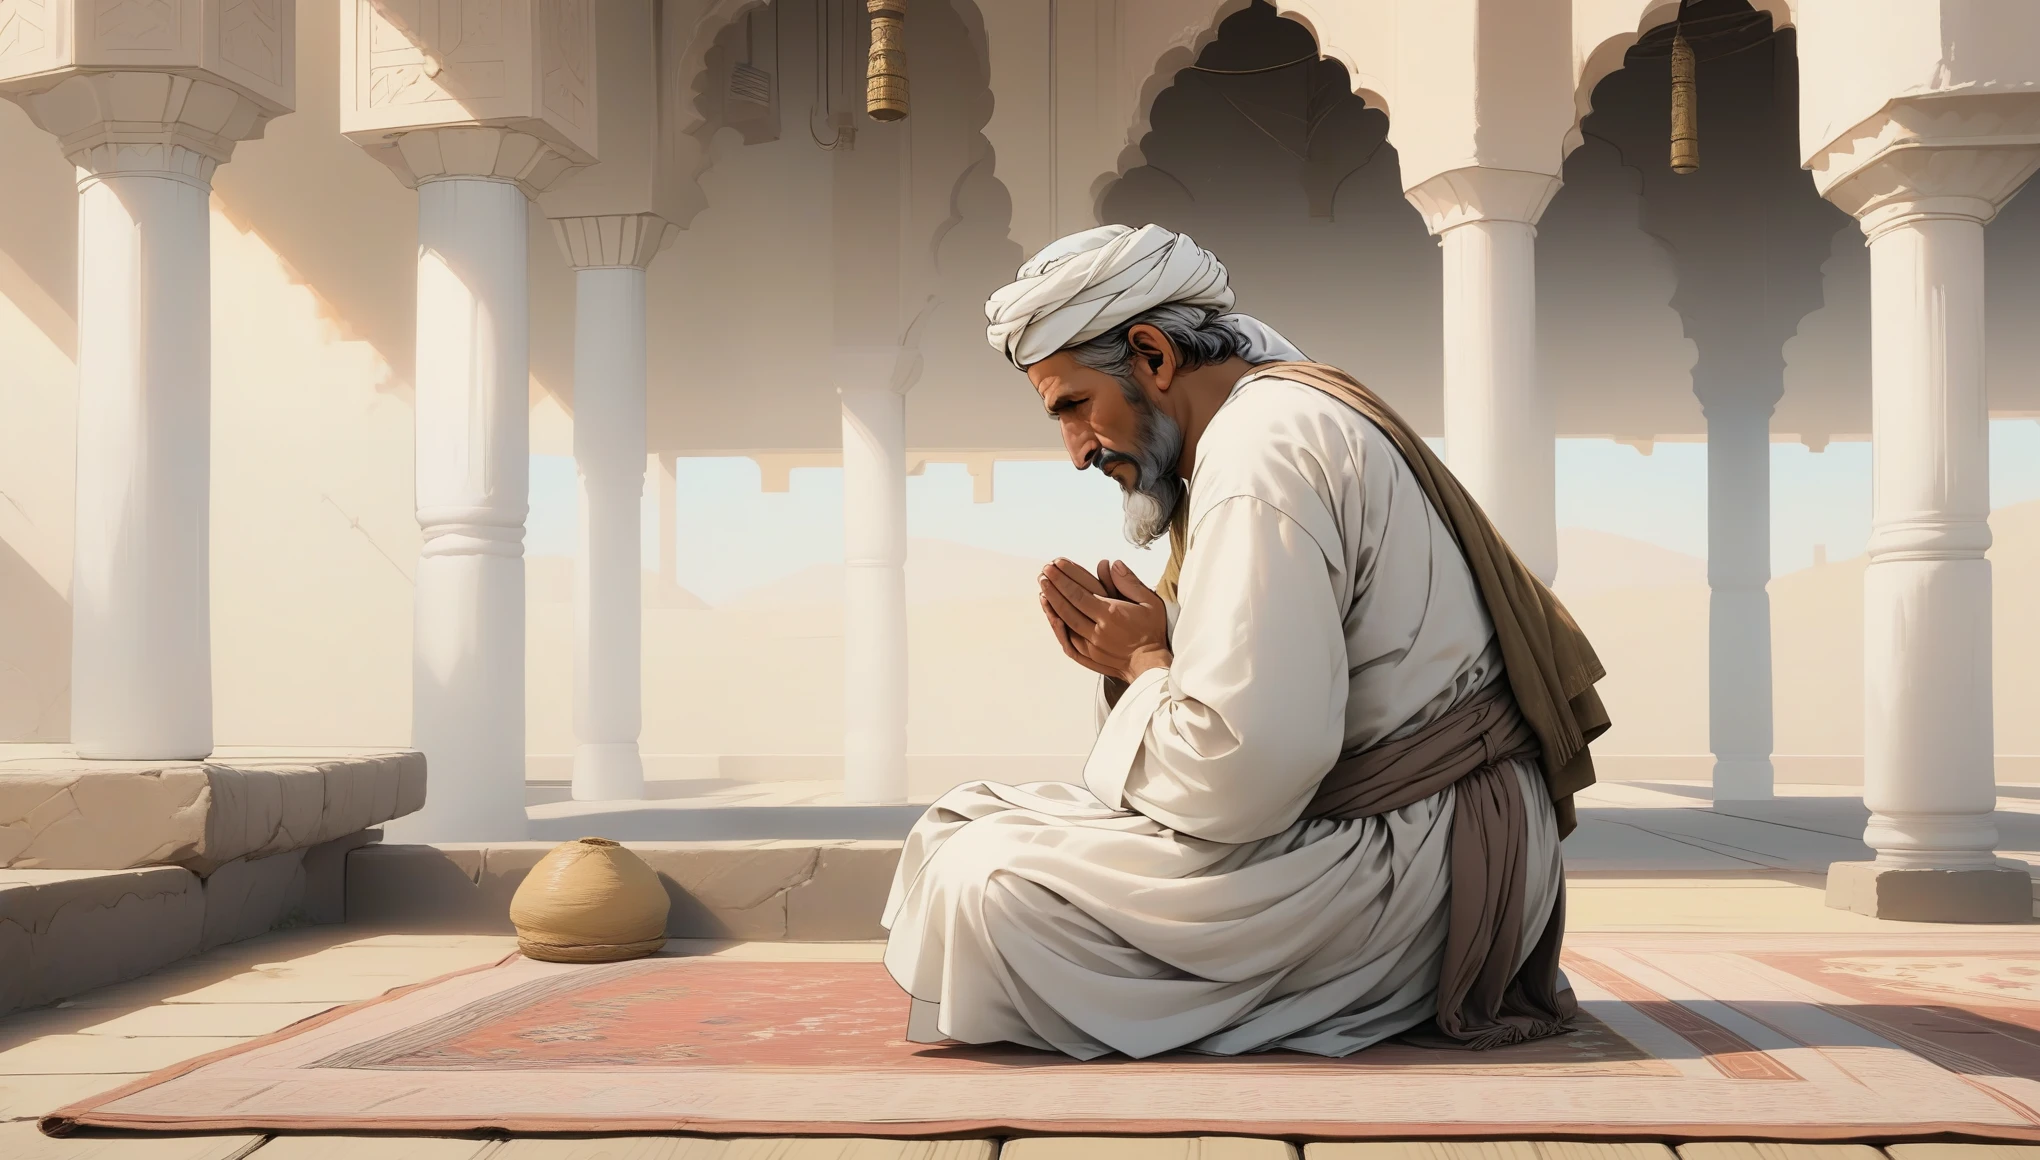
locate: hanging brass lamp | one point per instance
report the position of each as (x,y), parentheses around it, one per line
(1685,107)
(885,76)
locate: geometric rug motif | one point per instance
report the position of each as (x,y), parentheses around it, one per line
(1682,1037)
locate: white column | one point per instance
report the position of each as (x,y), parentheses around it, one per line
(609,255)
(145,145)
(1928,774)
(1927,757)
(474,455)
(609,452)
(146,114)
(1499,423)
(875,585)
(1739,718)
(141,657)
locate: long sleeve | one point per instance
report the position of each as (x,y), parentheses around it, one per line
(1230,742)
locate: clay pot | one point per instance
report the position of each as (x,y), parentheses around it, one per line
(589,901)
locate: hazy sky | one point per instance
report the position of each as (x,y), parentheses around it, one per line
(733,537)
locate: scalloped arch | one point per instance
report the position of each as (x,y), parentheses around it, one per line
(688,31)
(1332,24)
(1598,49)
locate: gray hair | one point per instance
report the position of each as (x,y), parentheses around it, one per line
(1200,339)
(1198,335)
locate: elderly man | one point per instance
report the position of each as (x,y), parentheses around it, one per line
(1336,751)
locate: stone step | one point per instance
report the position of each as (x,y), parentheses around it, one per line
(61,812)
(63,932)
(823,890)
(683,820)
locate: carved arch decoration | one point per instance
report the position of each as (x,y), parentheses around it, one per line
(1172,34)
(1604,34)
(689,32)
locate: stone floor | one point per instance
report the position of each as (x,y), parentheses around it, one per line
(1038,1148)
(1650,858)
(1624,826)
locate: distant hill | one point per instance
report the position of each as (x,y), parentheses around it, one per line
(938,571)
(550,580)
(1591,561)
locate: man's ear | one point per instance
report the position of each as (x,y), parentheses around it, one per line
(1151,349)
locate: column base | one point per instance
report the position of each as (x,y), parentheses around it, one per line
(1918,894)
(1743,779)
(608,772)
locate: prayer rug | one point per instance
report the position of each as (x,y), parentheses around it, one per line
(1800,1037)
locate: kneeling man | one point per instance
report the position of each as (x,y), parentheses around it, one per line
(1337,749)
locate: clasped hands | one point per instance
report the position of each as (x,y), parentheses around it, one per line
(1107,621)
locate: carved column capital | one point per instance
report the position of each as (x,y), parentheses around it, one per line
(612,240)
(158,123)
(1478,193)
(1932,157)
(487,152)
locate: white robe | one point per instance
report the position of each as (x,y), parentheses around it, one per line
(1175,900)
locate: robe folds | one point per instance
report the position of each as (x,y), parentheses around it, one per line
(1181,898)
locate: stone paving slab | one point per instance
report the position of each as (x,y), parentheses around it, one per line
(614,1148)
(377,1147)
(66,931)
(27,1097)
(1742,1150)
(1485,1150)
(1768,844)
(61,813)
(1963,1152)
(180,1020)
(97,1054)
(23,1141)
(1146,1148)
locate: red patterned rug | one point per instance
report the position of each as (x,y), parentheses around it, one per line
(1809,1037)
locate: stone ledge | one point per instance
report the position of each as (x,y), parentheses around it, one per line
(66,813)
(1906,894)
(819,891)
(67,931)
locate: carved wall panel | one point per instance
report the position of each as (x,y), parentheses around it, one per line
(151,33)
(251,38)
(136,25)
(434,50)
(245,45)
(566,60)
(527,65)
(25,35)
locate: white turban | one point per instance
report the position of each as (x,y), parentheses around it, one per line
(1088,283)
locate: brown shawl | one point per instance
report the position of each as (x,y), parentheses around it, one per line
(1546,709)
(1551,668)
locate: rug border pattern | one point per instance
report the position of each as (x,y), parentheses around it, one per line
(88,1113)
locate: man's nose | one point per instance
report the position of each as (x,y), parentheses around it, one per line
(1083,448)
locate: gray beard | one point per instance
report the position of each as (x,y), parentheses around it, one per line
(1157,491)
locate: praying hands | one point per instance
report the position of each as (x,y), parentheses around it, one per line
(1108,621)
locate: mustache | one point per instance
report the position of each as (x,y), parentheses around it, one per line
(1156,491)
(1105,460)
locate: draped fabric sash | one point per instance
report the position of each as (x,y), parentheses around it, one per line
(1550,665)
(1483,1000)
(1545,709)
